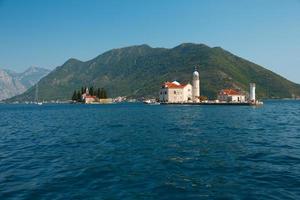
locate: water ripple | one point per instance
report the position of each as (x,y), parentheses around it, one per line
(134,151)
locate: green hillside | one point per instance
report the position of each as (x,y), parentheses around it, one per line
(138,71)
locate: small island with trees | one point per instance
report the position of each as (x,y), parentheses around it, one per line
(89,95)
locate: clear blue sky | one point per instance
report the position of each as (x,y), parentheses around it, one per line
(46,33)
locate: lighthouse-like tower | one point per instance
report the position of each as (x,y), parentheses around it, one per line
(252,92)
(196,86)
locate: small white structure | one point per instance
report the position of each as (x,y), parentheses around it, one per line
(196,86)
(252,92)
(231,95)
(174,92)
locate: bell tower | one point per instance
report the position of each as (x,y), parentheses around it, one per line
(196,86)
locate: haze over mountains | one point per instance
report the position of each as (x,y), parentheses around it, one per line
(13,83)
(138,71)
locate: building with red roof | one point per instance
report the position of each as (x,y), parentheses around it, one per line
(231,95)
(87,98)
(174,92)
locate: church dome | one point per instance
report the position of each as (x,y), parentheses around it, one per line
(176,83)
(196,73)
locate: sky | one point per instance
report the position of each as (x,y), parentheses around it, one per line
(47,33)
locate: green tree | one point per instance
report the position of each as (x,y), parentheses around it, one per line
(103,94)
(98,93)
(91,90)
(79,96)
(74,96)
(203,98)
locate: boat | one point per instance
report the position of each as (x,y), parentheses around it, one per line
(36,99)
(151,102)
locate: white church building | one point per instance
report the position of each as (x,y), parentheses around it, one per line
(174,92)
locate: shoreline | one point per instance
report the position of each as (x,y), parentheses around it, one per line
(217,104)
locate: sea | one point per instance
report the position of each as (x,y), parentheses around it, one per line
(138,151)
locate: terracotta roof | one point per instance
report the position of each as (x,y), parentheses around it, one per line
(230,92)
(173,85)
(89,96)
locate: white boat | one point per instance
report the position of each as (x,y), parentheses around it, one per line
(151,102)
(148,101)
(36,99)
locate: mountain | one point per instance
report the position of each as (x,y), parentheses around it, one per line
(13,83)
(139,71)
(32,75)
(9,86)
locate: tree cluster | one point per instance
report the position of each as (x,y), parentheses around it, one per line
(203,98)
(98,92)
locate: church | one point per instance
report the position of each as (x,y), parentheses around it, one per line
(174,92)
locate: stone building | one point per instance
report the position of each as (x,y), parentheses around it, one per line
(231,95)
(174,92)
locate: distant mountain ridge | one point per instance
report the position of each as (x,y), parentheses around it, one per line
(13,83)
(138,71)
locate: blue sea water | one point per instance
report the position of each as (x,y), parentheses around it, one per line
(136,151)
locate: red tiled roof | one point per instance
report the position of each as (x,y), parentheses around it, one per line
(230,92)
(173,85)
(89,96)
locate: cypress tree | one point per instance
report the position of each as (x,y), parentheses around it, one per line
(79,96)
(104,94)
(101,93)
(91,90)
(74,96)
(98,93)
